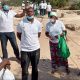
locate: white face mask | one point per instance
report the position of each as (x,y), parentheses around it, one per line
(52,20)
(30,17)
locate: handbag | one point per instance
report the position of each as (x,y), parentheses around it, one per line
(7,75)
(63,49)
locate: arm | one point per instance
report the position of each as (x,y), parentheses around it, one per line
(39,29)
(19,30)
(20,15)
(65,31)
(47,32)
(19,35)
(47,35)
(39,34)
(4,63)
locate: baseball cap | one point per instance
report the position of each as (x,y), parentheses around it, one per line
(53,14)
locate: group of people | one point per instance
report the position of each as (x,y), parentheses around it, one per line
(28,32)
(42,8)
(45,8)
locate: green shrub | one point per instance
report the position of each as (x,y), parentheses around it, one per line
(59,3)
(75,6)
(14,2)
(54,3)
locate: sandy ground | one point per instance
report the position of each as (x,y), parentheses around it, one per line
(44,64)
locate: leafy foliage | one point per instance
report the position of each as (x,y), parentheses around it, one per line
(15,2)
(59,3)
(75,6)
(54,3)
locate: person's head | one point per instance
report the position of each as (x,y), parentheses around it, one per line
(53,17)
(27,1)
(23,2)
(48,3)
(5,7)
(0,2)
(41,1)
(44,1)
(30,13)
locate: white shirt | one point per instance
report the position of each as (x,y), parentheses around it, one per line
(23,6)
(29,36)
(6,21)
(32,5)
(41,5)
(44,5)
(49,8)
(55,29)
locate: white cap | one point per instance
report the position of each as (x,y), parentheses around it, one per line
(53,14)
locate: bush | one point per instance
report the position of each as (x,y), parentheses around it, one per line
(14,2)
(55,3)
(75,6)
(59,3)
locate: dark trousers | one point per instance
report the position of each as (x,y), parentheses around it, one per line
(26,58)
(42,12)
(48,14)
(4,37)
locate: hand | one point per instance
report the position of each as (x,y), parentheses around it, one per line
(8,67)
(56,36)
(6,61)
(62,35)
(51,38)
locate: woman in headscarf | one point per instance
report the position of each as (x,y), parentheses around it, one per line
(54,28)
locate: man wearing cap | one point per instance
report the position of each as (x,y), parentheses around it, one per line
(54,28)
(7,31)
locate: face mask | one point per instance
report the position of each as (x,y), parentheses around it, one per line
(6,8)
(30,17)
(52,20)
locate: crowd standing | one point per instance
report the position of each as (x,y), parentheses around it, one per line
(29,32)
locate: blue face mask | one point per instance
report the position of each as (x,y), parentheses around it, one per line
(6,8)
(30,17)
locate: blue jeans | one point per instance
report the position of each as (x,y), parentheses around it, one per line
(4,37)
(26,58)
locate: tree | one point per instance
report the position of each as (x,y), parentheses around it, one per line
(59,3)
